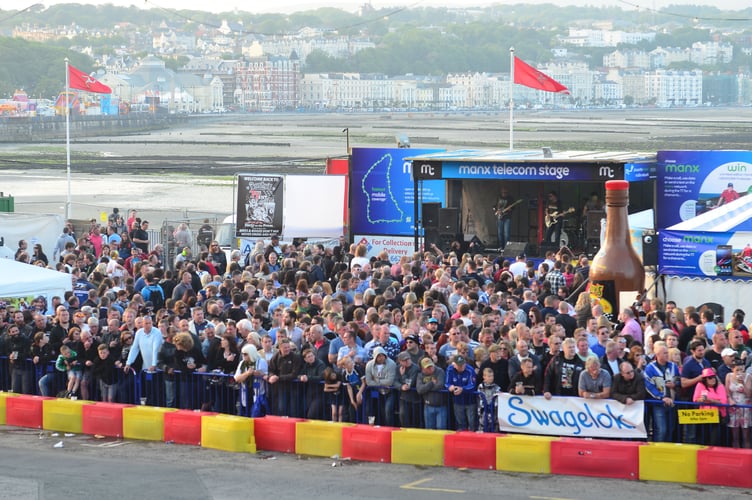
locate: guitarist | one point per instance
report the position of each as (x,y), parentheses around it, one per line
(553,215)
(503,211)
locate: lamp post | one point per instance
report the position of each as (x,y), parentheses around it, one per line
(347,136)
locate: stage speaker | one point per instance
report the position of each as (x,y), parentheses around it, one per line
(449,220)
(593,224)
(513,249)
(649,249)
(430,214)
(441,240)
(546,246)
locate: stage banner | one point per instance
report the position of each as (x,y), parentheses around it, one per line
(704,190)
(260,205)
(552,171)
(382,198)
(562,416)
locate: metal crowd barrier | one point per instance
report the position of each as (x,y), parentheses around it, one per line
(218,392)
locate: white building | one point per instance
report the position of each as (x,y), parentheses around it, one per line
(710,53)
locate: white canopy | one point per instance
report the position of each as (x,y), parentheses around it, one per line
(25,280)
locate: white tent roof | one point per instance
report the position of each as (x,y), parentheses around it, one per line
(24,280)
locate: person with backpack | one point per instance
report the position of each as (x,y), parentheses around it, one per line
(153,293)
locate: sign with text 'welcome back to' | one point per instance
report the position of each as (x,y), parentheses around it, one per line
(562,416)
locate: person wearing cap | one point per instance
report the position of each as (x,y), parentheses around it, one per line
(728,360)
(710,390)
(381,379)
(460,382)
(409,404)
(728,195)
(432,325)
(412,348)
(430,387)
(628,385)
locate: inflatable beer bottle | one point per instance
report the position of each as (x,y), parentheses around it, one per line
(616,267)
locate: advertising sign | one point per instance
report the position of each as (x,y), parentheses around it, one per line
(395,246)
(711,184)
(531,171)
(381,194)
(260,203)
(577,417)
(705,254)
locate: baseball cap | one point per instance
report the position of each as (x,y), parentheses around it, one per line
(433,320)
(460,360)
(728,352)
(412,338)
(426,362)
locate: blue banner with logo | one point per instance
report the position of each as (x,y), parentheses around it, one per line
(531,171)
(381,195)
(704,190)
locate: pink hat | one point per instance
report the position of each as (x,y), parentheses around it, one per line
(708,373)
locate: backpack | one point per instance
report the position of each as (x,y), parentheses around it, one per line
(154,294)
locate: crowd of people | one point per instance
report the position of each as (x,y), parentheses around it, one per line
(428,341)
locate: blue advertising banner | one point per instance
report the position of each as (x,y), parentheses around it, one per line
(724,255)
(636,172)
(531,171)
(695,254)
(704,190)
(381,195)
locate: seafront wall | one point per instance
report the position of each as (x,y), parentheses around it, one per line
(51,129)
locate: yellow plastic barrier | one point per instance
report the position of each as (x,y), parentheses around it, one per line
(3,397)
(144,422)
(63,415)
(228,433)
(318,438)
(522,453)
(670,462)
(418,446)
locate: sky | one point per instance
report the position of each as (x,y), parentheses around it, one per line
(264,6)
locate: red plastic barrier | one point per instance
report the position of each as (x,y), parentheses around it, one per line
(104,419)
(367,443)
(724,467)
(596,458)
(184,426)
(276,433)
(470,449)
(25,411)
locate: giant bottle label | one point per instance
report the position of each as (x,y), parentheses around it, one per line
(603,292)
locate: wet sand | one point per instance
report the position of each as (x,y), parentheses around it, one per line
(188,171)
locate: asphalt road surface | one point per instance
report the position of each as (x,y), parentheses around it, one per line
(31,467)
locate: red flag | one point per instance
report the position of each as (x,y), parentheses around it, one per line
(526,75)
(77,79)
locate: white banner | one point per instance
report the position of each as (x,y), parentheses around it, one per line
(563,416)
(395,246)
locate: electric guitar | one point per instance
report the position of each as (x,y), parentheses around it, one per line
(554,217)
(504,211)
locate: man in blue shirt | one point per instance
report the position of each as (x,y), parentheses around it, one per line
(460,382)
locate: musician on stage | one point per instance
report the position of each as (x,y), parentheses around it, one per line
(554,219)
(593,203)
(503,211)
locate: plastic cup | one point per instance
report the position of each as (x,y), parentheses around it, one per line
(143,401)
(371,420)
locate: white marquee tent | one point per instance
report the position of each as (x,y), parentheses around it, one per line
(24,280)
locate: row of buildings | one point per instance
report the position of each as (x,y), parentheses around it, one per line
(276,83)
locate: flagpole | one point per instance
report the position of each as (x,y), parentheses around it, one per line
(511,98)
(67,140)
